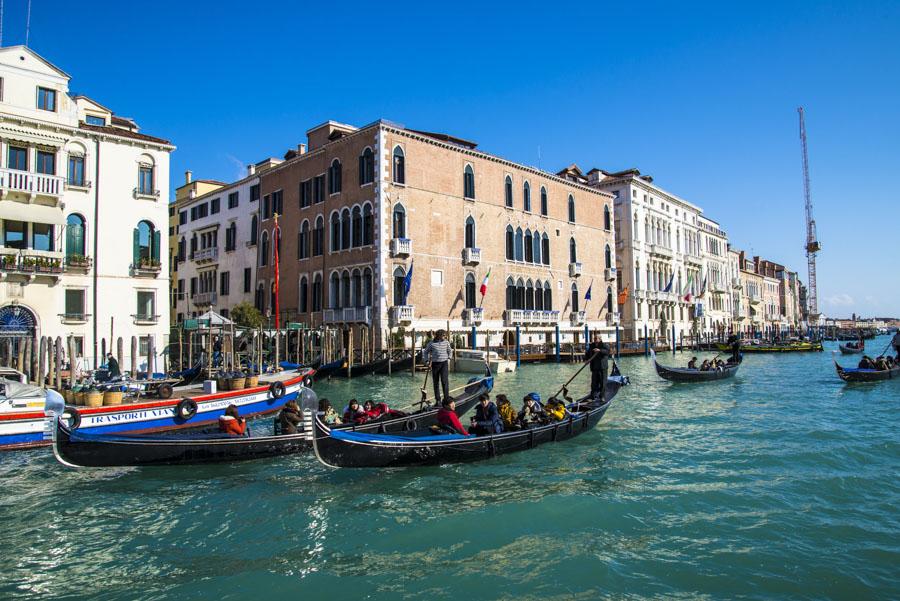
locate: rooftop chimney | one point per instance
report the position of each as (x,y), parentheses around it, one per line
(301,148)
(251,169)
(187,177)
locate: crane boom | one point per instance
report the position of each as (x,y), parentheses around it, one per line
(812,243)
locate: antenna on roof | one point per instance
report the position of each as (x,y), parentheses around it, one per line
(27,23)
(539,152)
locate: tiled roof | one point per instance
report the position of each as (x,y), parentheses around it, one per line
(117,131)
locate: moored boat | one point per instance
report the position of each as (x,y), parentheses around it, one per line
(342,448)
(473,360)
(792,347)
(676,374)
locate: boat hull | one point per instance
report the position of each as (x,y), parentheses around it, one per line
(693,375)
(803,347)
(866,375)
(849,350)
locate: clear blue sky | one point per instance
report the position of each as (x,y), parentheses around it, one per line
(702,97)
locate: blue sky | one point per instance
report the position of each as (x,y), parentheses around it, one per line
(701,96)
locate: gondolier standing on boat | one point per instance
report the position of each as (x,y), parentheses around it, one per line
(437,354)
(735,341)
(598,354)
(895,341)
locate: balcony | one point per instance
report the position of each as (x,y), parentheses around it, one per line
(73,318)
(577,318)
(613,319)
(609,274)
(146,268)
(473,316)
(206,255)
(349,315)
(145,194)
(660,251)
(575,270)
(78,264)
(401,247)
(143,319)
(736,283)
(31,184)
(401,315)
(693,260)
(526,317)
(205,299)
(31,264)
(471,256)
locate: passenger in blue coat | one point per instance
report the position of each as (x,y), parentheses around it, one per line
(487,418)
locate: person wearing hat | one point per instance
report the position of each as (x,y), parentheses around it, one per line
(112,366)
(437,354)
(448,420)
(290,417)
(598,354)
(532,412)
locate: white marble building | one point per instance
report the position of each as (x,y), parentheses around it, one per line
(83,213)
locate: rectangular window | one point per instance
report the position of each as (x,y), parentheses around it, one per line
(233,200)
(202,210)
(42,236)
(17,158)
(305,193)
(94,120)
(266,206)
(146,304)
(182,218)
(214,206)
(224,283)
(14,234)
(46,100)
(319,189)
(247,276)
(145,180)
(46,162)
(254,192)
(75,304)
(76,171)
(193,286)
(278,202)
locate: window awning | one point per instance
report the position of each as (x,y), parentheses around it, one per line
(35,213)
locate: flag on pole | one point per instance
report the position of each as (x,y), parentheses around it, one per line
(407,282)
(703,287)
(687,286)
(484,283)
(623,296)
(276,235)
(587,295)
(668,287)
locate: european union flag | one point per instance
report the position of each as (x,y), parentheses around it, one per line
(407,282)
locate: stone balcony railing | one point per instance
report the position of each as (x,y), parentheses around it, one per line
(575,269)
(660,250)
(206,255)
(473,316)
(402,314)
(613,318)
(145,319)
(146,268)
(138,193)
(348,315)
(577,318)
(401,247)
(524,317)
(471,256)
(31,263)
(204,299)
(31,184)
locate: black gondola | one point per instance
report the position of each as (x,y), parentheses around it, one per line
(851,349)
(78,449)
(866,375)
(328,369)
(342,448)
(677,374)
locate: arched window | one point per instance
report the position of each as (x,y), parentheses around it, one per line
(304,298)
(356,288)
(544,207)
(368,225)
(526,197)
(318,241)
(510,244)
(399,222)
(357,227)
(346,292)
(529,249)
(334,177)
(571,208)
(536,249)
(520,294)
(399,286)
(508,191)
(609,300)
(75,240)
(334,291)
(510,293)
(607,255)
(637,275)
(573,251)
(366,167)
(545,249)
(548,297)
(254,230)
(470,290)
(367,287)
(264,249)
(520,251)
(399,166)
(317,292)
(574,298)
(607,221)
(635,229)
(529,295)
(303,241)
(335,232)
(260,299)
(345,229)
(146,244)
(538,296)
(469,182)
(470,232)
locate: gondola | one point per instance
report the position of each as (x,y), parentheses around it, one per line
(342,448)
(792,347)
(402,364)
(677,374)
(848,374)
(78,449)
(327,370)
(846,349)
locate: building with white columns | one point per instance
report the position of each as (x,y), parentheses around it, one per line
(82,214)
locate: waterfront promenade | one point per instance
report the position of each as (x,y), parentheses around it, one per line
(780,483)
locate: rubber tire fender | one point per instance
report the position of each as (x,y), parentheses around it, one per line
(165,391)
(186,409)
(75,418)
(276,389)
(410,425)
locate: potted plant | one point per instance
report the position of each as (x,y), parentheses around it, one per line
(77,261)
(8,261)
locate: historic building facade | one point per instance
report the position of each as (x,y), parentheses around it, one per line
(385,227)
(82,216)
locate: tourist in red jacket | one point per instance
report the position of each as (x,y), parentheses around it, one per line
(355,414)
(232,422)
(447,419)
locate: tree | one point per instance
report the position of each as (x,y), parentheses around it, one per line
(246,315)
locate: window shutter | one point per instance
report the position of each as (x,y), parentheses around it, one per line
(136,251)
(154,251)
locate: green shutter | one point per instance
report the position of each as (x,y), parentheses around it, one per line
(136,251)
(156,242)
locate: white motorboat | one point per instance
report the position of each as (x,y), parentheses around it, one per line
(473,360)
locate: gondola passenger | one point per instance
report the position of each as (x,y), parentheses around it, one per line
(881,364)
(232,422)
(692,364)
(555,409)
(329,415)
(289,417)
(487,418)
(507,413)
(532,411)
(705,366)
(355,414)
(447,419)
(375,410)
(866,363)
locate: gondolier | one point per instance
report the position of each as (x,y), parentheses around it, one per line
(735,341)
(437,354)
(598,354)
(895,342)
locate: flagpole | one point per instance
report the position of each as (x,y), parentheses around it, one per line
(277,237)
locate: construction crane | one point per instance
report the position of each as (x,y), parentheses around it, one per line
(812,244)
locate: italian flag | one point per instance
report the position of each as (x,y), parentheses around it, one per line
(484,283)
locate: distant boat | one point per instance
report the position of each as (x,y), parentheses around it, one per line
(473,360)
(677,374)
(852,348)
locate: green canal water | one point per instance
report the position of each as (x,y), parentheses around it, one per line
(782,483)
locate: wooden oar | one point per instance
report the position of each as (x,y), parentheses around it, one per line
(585,364)
(425,385)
